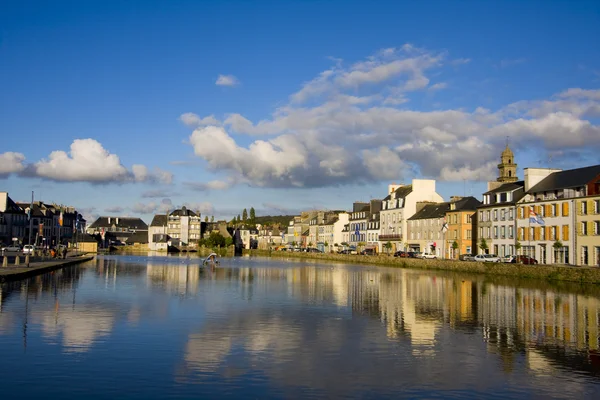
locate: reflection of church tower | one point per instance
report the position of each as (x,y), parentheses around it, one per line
(507,167)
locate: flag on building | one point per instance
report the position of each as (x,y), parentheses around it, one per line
(60,219)
(444,226)
(534,218)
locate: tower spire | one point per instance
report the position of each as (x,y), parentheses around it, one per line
(507,168)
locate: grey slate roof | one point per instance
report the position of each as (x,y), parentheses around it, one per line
(507,187)
(401,192)
(469,203)
(159,220)
(183,212)
(124,222)
(567,179)
(434,210)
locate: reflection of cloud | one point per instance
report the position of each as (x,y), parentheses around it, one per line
(79,328)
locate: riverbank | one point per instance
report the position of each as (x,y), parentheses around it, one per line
(18,272)
(544,272)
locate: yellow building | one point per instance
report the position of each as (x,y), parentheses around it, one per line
(459,237)
(587,222)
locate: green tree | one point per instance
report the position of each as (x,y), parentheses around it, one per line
(228,242)
(215,239)
(483,245)
(206,218)
(252,215)
(388,246)
(238,219)
(212,218)
(245,215)
(518,247)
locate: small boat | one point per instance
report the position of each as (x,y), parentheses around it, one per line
(211,259)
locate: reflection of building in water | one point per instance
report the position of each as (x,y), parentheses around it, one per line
(179,279)
(567,319)
(79,328)
(412,303)
(364,291)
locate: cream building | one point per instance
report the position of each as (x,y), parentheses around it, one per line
(550,238)
(587,221)
(401,204)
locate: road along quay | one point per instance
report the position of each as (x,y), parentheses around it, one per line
(14,271)
(565,273)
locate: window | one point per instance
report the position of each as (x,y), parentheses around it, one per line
(510,214)
(502,216)
(553,233)
(596,206)
(469,219)
(456,218)
(487,215)
(503,232)
(542,233)
(554,210)
(481,215)
(584,255)
(480,232)
(455,234)
(584,207)
(495,232)
(495,215)
(596,227)
(584,231)
(510,232)
(531,233)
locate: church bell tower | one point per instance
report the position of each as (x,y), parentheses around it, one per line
(507,166)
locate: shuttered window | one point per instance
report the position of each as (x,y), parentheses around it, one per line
(565,209)
(565,231)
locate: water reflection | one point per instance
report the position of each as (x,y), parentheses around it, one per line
(333,330)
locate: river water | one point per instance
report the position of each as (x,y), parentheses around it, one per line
(165,327)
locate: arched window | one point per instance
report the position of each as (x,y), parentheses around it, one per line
(509,173)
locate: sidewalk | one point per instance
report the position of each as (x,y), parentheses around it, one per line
(17,272)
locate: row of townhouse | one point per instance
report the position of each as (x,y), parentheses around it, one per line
(50,223)
(551,215)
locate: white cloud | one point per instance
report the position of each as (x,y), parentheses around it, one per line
(204,208)
(194,120)
(226,80)
(153,207)
(208,186)
(88,161)
(11,163)
(114,209)
(438,86)
(353,124)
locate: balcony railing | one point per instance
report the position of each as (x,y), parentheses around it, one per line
(390,237)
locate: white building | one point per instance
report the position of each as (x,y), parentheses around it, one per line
(401,204)
(330,231)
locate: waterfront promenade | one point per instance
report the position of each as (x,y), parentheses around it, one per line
(545,272)
(15,272)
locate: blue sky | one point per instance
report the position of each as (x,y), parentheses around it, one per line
(132,108)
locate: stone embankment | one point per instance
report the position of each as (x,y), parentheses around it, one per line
(16,268)
(545,272)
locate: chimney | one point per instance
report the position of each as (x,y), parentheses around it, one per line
(109,220)
(392,187)
(533,176)
(494,185)
(117,219)
(454,199)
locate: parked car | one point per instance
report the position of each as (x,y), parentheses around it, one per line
(11,248)
(429,256)
(28,249)
(313,250)
(466,257)
(524,260)
(368,252)
(345,251)
(487,258)
(508,259)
